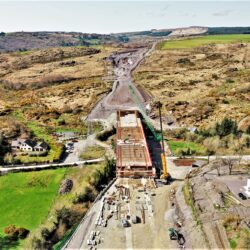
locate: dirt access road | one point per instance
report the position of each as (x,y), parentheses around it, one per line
(120,97)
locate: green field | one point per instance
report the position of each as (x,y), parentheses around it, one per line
(26,198)
(175,146)
(199,41)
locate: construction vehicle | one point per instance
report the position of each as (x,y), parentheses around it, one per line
(165,175)
(175,235)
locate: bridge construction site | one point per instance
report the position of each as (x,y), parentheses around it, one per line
(132,154)
(133,206)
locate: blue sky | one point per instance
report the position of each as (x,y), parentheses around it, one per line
(119,16)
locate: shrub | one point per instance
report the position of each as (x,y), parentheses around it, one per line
(66,109)
(247,142)
(215,77)
(85,196)
(185,152)
(37,243)
(103,136)
(229,80)
(23,232)
(45,233)
(226,127)
(248,130)
(11,232)
(231,220)
(15,233)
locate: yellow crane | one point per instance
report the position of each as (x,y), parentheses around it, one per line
(165,175)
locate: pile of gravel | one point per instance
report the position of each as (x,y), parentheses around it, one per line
(66,186)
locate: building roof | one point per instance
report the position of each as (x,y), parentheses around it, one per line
(43,145)
(30,143)
(33,144)
(17,142)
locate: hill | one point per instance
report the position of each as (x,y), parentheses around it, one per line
(200,80)
(24,41)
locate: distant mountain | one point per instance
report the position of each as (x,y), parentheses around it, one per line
(23,41)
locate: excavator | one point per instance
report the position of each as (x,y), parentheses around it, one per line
(165,176)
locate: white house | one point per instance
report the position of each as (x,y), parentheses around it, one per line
(29,145)
(41,146)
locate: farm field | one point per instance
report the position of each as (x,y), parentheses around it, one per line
(199,41)
(177,146)
(26,198)
(31,199)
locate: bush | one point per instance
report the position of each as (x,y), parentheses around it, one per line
(226,127)
(45,233)
(15,233)
(37,243)
(85,196)
(11,232)
(103,136)
(231,220)
(247,142)
(23,232)
(185,152)
(215,77)
(248,130)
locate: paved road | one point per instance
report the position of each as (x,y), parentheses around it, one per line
(44,166)
(81,234)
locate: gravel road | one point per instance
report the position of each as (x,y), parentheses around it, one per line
(120,96)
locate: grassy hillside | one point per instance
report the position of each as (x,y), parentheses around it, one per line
(200,85)
(48,90)
(199,41)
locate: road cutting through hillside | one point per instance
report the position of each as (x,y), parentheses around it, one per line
(120,97)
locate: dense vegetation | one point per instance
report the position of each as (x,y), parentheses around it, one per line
(223,137)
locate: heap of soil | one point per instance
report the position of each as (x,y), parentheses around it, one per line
(66,186)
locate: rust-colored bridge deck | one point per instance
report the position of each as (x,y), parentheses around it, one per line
(132,154)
